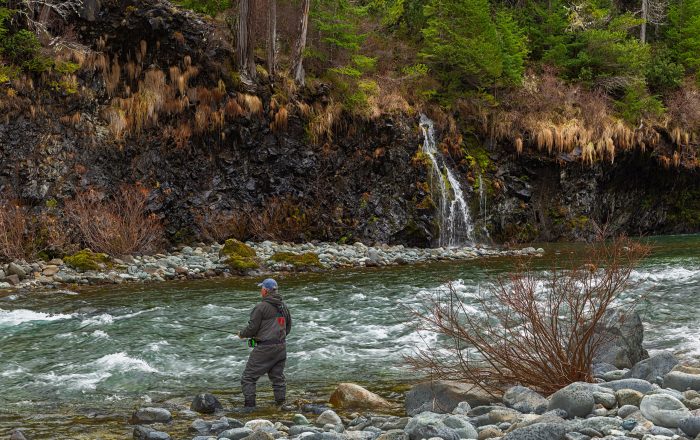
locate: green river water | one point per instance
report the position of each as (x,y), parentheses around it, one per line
(76,364)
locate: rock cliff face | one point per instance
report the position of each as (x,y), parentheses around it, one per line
(363,184)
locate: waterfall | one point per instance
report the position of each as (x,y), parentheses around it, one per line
(456,227)
(482,208)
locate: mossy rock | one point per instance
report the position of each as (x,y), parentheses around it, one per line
(299,261)
(86,260)
(241,257)
(234,247)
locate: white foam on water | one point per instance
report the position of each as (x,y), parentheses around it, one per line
(155,346)
(358,297)
(12,372)
(140,312)
(20,316)
(75,381)
(121,362)
(310,299)
(102,319)
(671,273)
(65,292)
(99,334)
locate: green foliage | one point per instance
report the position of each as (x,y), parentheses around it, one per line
(21,46)
(545,25)
(684,33)
(663,74)
(405,16)
(240,256)
(637,104)
(209,7)
(337,23)
(86,260)
(467,47)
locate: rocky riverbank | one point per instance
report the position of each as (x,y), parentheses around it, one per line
(657,399)
(225,260)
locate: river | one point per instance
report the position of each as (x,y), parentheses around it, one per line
(75,364)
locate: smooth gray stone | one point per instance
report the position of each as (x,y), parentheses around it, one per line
(690,426)
(428,425)
(641,385)
(682,381)
(205,403)
(151,415)
(626,410)
(236,433)
(576,399)
(525,400)
(538,431)
(650,369)
(443,396)
(663,410)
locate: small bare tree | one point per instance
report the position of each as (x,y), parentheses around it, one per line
(300,45)
(119,226)
(540,331)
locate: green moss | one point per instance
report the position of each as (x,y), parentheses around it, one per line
(478,158)
(305,260)
(426,203)
(66,68)
(421,159)
(580,222)
(86,260)
(241,257)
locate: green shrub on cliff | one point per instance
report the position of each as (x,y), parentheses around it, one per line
(86,260)
(241,257)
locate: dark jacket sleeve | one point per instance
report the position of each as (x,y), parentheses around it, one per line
(289,321)
(253,323)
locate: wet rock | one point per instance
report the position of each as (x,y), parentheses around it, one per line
(443,396)
(576,399)
(538,431)
(525,400)
(259,435)
(429,425)
(624,335)
(314,408)
(151,415)
(654,368)
(393,434)
(663,410)
(682,381)
(299,419)
(146,433)
(205,403)
(350,395)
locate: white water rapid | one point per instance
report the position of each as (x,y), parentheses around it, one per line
(456,227)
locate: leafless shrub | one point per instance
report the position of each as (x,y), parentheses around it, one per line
(280,219)
(117,226)
(217,226)
(530,329)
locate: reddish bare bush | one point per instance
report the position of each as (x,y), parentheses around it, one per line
(537,330)
(24,235)
(117,226)
(219,226)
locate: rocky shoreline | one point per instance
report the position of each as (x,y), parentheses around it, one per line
(210,261)
(656,399)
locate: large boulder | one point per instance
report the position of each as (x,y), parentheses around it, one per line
(525,400)
(653,368)
(429,425)
(538,431)
(350,395)
(682,381)
(623,335)
(205,403)
(576,399)
(443,396)
(663,410)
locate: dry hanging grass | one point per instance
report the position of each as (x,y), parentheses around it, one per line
(536,330)
(14,231)
(219,226)
(280,219)
(119,226)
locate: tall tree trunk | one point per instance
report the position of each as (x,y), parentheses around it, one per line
(272,38)
(645,18)
(298,56)
(244,45)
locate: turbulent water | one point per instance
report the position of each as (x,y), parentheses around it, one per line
(71,361)
(456,226)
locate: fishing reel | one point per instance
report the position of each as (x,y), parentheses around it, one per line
(252,343)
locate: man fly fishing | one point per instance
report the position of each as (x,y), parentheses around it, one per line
(267,330)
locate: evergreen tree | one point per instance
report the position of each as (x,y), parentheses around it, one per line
(684,33)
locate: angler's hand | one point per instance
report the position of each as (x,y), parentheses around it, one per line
(239,335)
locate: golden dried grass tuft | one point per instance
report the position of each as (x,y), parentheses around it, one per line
(251,103)
(280,120)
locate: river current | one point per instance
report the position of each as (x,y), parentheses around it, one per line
(71,361)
